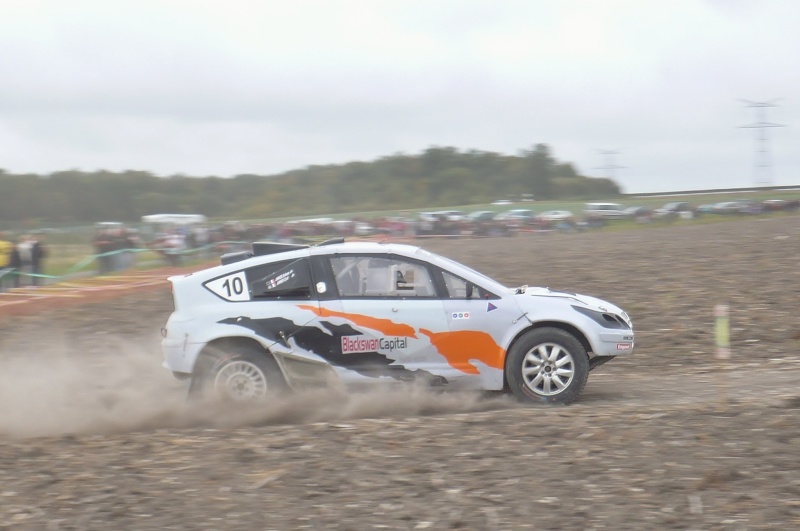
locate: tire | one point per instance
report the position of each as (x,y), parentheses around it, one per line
(547,365)
(236,374)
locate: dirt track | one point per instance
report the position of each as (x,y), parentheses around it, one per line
(97,436)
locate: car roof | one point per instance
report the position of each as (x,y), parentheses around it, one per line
(615,205)
(364,247)
(276,251)
(246,260)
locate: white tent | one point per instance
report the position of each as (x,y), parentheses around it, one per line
(174,219)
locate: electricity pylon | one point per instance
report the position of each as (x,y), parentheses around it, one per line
(762,162)
(608,163)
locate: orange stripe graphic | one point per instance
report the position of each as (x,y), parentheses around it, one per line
(461,346)
(385,326)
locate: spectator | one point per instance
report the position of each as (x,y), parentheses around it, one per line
(103,245)
(122,241)
(16,265)
(130,242)
(25,250)
(200,239)
(6,272)
(38,254)
(174,247)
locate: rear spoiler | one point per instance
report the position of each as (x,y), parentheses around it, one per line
(267,248)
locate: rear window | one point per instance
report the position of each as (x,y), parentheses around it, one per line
(289,279)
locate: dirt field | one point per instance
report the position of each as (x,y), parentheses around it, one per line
(95,435)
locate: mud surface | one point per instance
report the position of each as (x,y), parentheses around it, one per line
(94,434)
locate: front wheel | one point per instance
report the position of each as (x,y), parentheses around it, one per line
(547,365)
(236,374)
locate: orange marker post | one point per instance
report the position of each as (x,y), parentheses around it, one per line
(722,333)
(722,328)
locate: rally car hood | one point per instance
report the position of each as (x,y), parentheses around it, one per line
(529,294)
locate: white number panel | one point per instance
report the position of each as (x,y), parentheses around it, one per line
(231,288)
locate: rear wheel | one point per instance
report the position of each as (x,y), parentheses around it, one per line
(236,374)
(547,365)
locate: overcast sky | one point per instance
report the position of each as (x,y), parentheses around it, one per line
(206,87)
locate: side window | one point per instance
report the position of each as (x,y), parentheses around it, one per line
(289,279)
(458,288)
(372,276)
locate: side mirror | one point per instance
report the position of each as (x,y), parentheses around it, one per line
(470,289)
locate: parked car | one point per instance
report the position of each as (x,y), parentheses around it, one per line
(485,223)
(781,204)
(773,205)
(520,213)
(522,216)
(362,228)
(605,210)
(704,209)
(556,215)
(453,215)
(639,213)
(287,316)
(742,206)
(748,206)
(446,222)
(481,215)
(725,207)
(674,210)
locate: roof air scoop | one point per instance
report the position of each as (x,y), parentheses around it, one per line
(238,256)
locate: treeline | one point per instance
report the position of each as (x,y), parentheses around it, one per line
(439,176)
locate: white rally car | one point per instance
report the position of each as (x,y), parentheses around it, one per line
(290,316)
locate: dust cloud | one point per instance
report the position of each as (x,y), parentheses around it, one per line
(66,388)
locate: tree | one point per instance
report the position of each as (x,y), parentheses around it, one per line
(540,165)
(437,176)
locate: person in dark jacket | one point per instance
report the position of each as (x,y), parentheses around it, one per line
(103,245)
(15,263)
(38,254)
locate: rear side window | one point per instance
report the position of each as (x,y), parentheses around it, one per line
(289,279)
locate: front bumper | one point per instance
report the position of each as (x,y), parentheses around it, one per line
(615,343)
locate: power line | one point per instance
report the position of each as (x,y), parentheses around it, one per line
(762,162)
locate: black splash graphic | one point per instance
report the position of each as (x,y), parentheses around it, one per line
(329,346)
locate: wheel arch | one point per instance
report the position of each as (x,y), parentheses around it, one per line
(566,327)
(218,353)
(220,344)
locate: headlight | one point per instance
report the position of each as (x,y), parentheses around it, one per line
(605,319)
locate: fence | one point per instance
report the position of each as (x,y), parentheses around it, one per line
(120,260)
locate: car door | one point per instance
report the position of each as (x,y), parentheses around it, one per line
(480,325)
(387,309)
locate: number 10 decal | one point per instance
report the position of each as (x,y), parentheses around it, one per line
(232,287)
